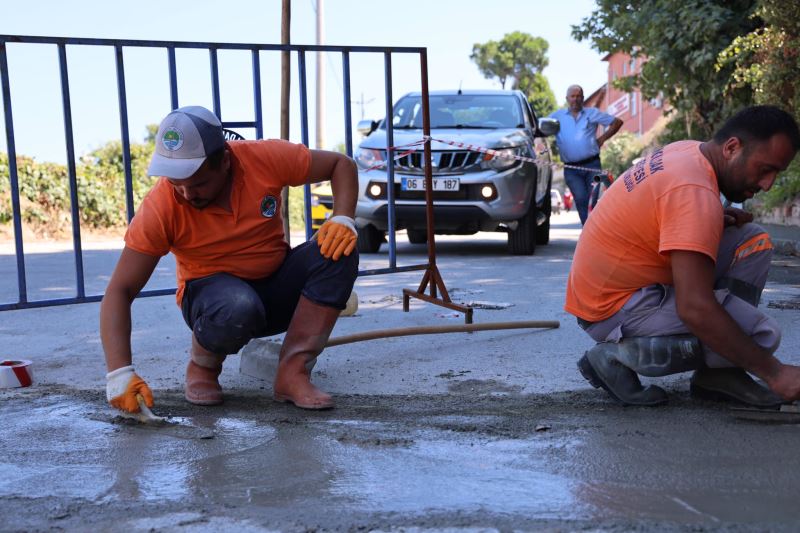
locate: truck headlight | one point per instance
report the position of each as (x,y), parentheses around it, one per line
(367,157)
(502,160)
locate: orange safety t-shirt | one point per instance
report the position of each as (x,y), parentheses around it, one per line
(667,201)
(247,242)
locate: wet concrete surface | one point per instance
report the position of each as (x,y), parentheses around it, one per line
(487,431)
(503,460)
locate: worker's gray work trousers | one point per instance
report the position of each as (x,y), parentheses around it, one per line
(742,265)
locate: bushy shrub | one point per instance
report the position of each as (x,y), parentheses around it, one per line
(619,152)
(44,190)
(45,195)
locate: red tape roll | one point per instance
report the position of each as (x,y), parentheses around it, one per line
(15,374)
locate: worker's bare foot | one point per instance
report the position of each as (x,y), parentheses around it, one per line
(294,385)
(202,385)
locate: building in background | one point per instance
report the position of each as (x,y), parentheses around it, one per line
(639,115)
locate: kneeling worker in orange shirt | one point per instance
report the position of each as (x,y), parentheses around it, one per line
(666,280)
(216,207)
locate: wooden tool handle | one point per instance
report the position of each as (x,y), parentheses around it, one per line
(429,330)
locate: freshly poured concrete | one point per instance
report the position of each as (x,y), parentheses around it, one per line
(493,430)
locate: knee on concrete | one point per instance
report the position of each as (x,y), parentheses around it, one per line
(232,324)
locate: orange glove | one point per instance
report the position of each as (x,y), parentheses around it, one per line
(122,387)
(336,237)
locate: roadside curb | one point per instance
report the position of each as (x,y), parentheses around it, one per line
(785,239)
(786,247)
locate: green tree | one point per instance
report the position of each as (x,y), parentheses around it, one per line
(541,97)
(519,58)
(681,40)
(767,61)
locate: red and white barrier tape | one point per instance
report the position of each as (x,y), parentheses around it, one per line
(15,374)
(398,156)
(482,150)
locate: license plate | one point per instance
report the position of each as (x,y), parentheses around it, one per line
(439,184)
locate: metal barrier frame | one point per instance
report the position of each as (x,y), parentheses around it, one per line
(432,276)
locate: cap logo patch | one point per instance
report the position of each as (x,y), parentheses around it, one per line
(269,205)
(172,139)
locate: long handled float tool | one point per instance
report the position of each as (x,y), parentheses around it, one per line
(261,360)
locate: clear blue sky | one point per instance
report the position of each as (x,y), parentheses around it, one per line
(448,28)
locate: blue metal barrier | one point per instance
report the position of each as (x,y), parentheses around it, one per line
(118,45)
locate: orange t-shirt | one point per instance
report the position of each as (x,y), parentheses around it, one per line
(667,201)
(247,242)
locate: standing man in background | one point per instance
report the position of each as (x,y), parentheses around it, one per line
(580,146)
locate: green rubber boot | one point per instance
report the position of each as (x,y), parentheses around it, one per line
(615,366)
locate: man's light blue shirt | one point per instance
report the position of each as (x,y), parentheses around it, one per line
(577,137)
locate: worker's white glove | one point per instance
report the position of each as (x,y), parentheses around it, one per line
(337,237)
(123,386)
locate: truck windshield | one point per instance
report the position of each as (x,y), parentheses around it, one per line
(459,111)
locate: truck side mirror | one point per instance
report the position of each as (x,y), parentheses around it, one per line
(365,127)
(548,127)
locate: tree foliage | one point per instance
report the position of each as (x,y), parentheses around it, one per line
(541,97)
(681,40)
(619,152)
(100,176)
(519,58)
(767,61)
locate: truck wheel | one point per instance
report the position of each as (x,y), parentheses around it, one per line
(522,241)
(369,240)
(543,231)
(417,236)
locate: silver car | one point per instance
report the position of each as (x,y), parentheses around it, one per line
(472,191)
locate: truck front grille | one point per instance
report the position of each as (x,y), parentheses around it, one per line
(450,162)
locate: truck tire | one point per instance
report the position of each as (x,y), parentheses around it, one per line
(417,236)
(369,239)
(522,241)
(543,231)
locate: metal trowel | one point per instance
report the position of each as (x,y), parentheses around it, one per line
(166,426)
(787,414)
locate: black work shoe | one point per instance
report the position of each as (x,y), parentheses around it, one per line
(602,370)
(732,384)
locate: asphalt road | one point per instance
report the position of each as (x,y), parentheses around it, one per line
(482,431)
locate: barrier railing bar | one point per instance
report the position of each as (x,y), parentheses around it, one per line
(205,45)
(242,124)
(71,171)
(12,173)
(123,126)
(173,77)
(212,52)
(73,301)
(348,110)
(387,270)
(257,95)
(387,72)
(431,275)
(301,70)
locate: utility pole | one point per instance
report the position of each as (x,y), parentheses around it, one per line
(320,144)
(362,103)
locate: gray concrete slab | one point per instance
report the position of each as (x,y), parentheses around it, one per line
(481,431)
